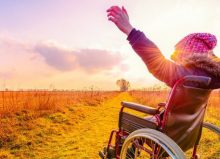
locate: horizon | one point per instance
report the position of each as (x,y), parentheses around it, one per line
(72,45)
(159,86)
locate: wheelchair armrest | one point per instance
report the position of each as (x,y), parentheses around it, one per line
(140,108)
(162,104)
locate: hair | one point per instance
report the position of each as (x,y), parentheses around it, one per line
(207,62)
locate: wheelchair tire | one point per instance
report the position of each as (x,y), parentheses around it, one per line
(165,146)
(211,127)
(209,143)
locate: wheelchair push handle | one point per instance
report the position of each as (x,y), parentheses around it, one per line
(140,108)
(202,80)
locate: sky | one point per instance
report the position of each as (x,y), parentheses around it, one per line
(70,44)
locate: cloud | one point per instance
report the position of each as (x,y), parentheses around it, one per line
(37,65)
(89,60)
(18,61)
(94,59)
(56,57)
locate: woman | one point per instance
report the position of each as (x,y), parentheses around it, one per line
(193,55)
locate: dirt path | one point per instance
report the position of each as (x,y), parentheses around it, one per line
(77,132)
(82,136)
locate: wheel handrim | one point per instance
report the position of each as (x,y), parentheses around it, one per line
(143,146)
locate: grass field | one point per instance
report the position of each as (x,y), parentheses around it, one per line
(69,125)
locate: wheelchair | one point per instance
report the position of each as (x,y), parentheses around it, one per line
(170,130)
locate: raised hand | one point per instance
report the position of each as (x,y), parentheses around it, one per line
(120,17)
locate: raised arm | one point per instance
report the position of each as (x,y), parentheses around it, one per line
(120,17)
(163,69)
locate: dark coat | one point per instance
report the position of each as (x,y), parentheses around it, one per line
(169,71)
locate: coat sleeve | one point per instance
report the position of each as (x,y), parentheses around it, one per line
(162,68)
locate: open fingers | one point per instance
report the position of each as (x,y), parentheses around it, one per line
(125,11)
(114,20)
(113,14)
(115,9)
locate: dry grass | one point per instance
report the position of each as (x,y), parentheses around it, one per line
(152,98)
(48,101)
(74,124)
(28,118)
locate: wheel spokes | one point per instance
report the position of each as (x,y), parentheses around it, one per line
(142,148)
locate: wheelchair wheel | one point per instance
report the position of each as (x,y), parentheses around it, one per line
(211,127)
(209,144)
(150,144)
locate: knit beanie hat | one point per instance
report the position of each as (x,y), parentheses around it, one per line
(199,43)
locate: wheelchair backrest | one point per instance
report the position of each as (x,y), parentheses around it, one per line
(185,109)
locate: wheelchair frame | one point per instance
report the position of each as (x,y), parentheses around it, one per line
(133,123)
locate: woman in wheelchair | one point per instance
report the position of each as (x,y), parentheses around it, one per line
(192,74)
(193,54)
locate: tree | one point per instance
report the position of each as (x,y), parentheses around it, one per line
(123,84)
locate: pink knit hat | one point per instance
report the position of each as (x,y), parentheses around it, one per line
(200,43)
